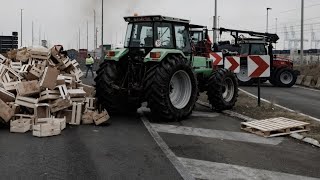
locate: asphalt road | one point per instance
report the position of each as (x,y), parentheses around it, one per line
(299,99)
(208,145)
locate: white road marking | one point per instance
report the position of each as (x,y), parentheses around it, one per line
(204,114)
(310,89)
(277,105)
(185,174)
(216,134)
(212,170)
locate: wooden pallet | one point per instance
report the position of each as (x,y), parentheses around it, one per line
(275,127)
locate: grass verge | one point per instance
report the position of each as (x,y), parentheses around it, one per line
(248,106)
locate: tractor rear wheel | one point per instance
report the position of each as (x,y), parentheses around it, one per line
(108,90)
(171,89)
(222,90)
(285,78)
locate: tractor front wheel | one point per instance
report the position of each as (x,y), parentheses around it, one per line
(222,90)
(171,89)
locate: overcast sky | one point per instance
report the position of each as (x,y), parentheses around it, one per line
(60,20)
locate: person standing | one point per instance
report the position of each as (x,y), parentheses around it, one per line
(89,65)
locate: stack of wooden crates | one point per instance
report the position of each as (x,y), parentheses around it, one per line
(41,91)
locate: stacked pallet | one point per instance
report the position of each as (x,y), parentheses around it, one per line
(41,91)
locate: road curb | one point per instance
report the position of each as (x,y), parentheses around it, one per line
(279,106)
(296,136)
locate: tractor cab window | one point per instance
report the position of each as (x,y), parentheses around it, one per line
(197,37)
(139,35)
(258,49)
(182,38)
(163,35)
(245,49)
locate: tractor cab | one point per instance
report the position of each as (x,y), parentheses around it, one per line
(200,40)
(146,33)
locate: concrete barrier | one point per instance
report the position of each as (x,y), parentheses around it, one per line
(318,83)
(300,79)
(308,80)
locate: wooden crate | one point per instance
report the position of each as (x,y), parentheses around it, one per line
(88,89)
(78,100)
(60,104)
(20,126)
(40,55)
(24,70)
(49,95)
(6,112)
(78,73)
(64,93)
(42,110)
(28,88)
(90,103)
(49,78)
(87,117)
(16,66)
(65,63)
(34,73)
(100,118)
(11,86)
(60,122)
(26,101)
(76,93)
(6,96)
(21,123)
(76,113)
(275,127)
(2,58)
(65,114)
(47,129)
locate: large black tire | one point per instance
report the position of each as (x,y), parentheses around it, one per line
(107,90)
(285,78)
(159,91)
(222,90)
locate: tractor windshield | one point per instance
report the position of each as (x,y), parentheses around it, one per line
(139,35)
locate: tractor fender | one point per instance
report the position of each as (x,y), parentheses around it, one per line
(117,54)
(163,53)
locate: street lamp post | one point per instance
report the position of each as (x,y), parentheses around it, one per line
(102,49)
(268,19)
(302,29)
(215,19)
(21,11)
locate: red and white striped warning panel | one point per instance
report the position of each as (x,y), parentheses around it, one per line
(232,63)
(217,58)
(259,66)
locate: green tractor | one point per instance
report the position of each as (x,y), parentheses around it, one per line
(157,66)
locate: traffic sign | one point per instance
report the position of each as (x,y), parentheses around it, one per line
(259,66)
(217,58)
(232,63)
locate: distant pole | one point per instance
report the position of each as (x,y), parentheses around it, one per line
(102,49)
(94,30)
(32,35)
(79,40)
(218,37)
(87,36)
(39,35)
(276,31)
(215,19)
(302,31)
(268,19)
(21,12)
